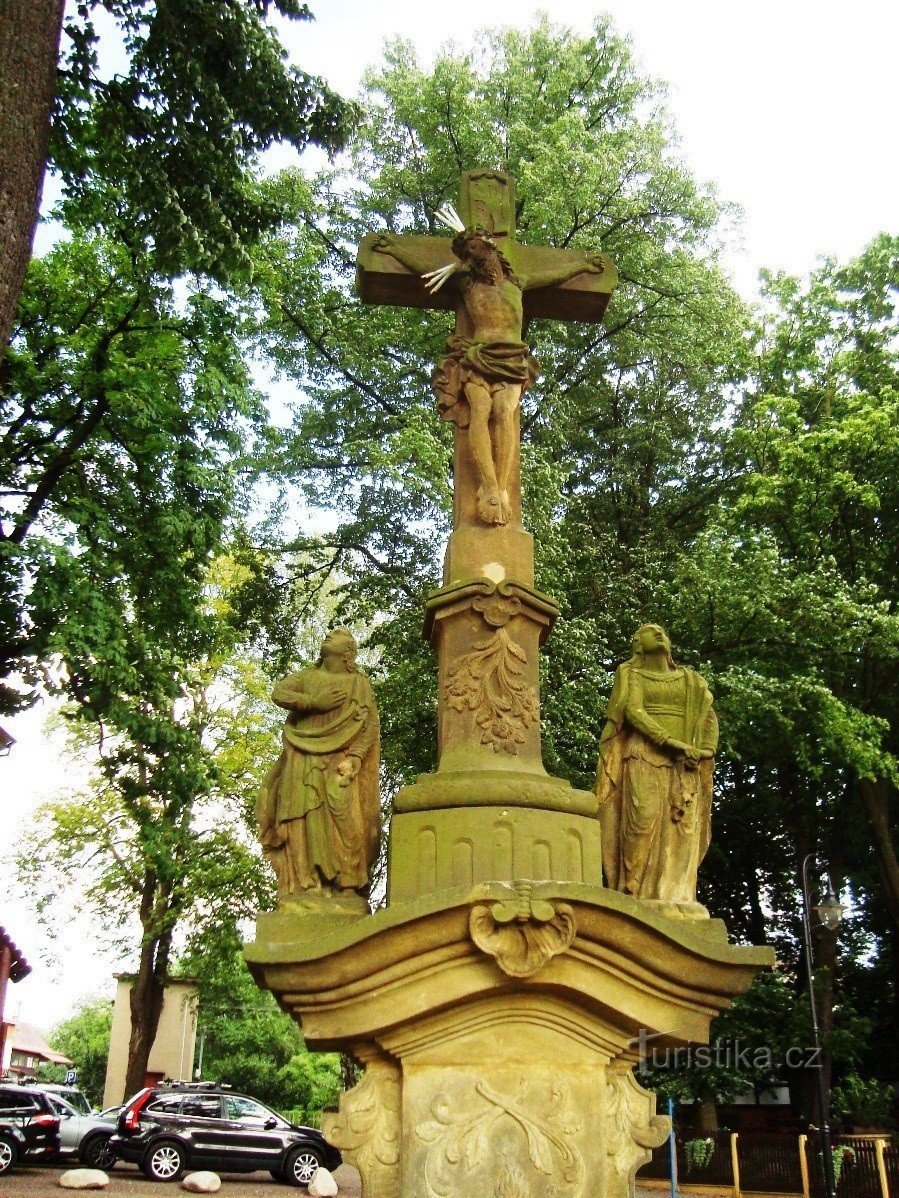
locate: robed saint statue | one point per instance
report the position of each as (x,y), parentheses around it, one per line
(319,810)
(654,779)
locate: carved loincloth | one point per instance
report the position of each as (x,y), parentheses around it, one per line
(496,363)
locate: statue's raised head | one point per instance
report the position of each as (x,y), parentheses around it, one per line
(340,643)
(651,639)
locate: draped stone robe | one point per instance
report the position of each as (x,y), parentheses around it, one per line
(319,831)
(655,810)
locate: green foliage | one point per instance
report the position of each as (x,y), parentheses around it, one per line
(163,150)
(699,1153)
(863,1102)
(126,413)
(248,1042)
(840,1155)
(618,413)
(84,1039)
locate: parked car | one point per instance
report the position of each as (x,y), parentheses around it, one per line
(29,1127)
(71,1094)
(169,1128)
(85,1136)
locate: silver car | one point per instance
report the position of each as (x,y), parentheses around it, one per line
(85,1135)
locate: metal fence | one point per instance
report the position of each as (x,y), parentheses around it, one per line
(769,1162)
(891,1168)
(773,1163)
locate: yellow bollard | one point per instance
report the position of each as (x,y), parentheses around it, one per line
(803,1166)
(882,1169)
(735,1163)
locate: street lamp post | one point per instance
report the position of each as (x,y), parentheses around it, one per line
(830,912)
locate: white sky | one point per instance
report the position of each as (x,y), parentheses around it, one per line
(787,107)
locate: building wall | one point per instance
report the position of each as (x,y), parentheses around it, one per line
(172,1054)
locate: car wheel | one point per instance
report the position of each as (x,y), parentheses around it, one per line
(300,1166)
(96,1153)
(164,1161)
(8,1155)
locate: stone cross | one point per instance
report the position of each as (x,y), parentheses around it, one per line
(486,622)
(563,284)
(486,198)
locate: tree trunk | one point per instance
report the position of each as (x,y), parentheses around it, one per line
(147,994)
(349,1071)
(876,796)
(708,1117)
(148,988)
(29,38)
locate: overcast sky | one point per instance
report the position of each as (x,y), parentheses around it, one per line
(788,108)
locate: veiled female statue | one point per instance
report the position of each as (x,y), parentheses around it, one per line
(654,779)
(319,810)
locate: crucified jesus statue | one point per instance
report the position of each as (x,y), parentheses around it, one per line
(487,367)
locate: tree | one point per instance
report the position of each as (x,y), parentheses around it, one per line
(247,1042)
(29,35)
(84,1039)
(125,410)
(162,841)
(164,149)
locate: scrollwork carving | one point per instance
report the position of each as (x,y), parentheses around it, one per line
(366,1129)
(520,932)
(633,1128)
(463,1139)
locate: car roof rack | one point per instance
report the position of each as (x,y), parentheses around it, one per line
(187,1085)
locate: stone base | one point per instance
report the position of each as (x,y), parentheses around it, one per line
(479,551)
(499,1026)
(511,1100)
(508,786)
(442,849)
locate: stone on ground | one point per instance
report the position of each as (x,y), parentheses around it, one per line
(84,1179)
(322,1185)
(202,1182)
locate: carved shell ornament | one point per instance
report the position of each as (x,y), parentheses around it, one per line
(489,681)
(522,933)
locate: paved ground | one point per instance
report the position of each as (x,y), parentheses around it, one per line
(31,1182)
(127,1180)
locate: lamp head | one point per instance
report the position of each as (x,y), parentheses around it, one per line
(830,910)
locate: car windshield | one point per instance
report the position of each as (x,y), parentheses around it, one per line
(78,1100)
(247,1110)
(60,1107)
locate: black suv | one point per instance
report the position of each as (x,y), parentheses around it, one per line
(169,1128)
(29,1127)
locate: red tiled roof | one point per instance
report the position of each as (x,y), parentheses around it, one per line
(27,1039)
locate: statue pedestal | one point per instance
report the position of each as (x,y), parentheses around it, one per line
(499,1026)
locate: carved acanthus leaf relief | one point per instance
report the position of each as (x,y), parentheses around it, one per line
(632,1126)
(460,1139)
(512,1182)
(489,682)
(367,1129)
(521,932)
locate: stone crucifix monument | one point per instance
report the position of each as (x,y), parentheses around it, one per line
(499,1000)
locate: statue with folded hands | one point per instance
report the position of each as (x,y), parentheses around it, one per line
(654,779)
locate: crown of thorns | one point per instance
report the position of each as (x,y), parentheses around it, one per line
(447,215)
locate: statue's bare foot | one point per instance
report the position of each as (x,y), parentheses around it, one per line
(489,506)
(505,506)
